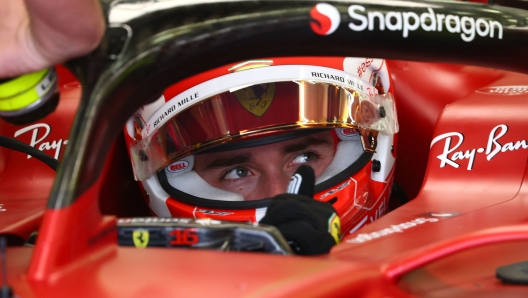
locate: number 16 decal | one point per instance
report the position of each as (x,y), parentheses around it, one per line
(183,237)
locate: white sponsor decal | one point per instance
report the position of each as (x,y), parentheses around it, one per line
(212,212)
(391,230)
(179,166)
(449,156)
(238,80)
(467,27)
(504,90)
(207,221)
(2,208)
(143,220)
(37,137)
(333,191)
(348,132)
(154,220)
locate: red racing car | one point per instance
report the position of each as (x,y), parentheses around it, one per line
(147,202)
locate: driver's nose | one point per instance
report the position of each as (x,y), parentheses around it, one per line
(276,183)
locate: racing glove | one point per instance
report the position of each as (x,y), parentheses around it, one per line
(311,227)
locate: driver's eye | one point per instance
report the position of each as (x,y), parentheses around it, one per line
(236,173)
(304,157)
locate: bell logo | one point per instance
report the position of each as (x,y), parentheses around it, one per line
(334,227)
(178,166)
(325,19)
(349,132)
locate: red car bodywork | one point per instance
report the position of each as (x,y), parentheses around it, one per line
(462,158)
(412,256)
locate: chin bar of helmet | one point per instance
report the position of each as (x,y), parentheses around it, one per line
(29,97)
(205,233)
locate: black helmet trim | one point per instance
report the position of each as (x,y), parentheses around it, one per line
(206,203)
(362,161)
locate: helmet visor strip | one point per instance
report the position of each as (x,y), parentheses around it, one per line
(313,97)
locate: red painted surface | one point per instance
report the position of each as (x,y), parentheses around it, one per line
(25,183)
(409,252)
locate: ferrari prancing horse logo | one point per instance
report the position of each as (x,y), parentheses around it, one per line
(140,238)
(257,98)
(334,227)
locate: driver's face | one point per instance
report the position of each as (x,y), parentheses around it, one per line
(264,171)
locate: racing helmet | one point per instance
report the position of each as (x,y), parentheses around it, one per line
(264,102)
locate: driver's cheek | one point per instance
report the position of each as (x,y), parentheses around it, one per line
(244,186)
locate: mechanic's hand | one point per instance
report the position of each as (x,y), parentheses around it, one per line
(311,227)
(37,34)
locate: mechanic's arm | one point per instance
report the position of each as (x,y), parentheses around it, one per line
(36,34)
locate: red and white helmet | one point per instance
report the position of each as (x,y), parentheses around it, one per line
(262,102)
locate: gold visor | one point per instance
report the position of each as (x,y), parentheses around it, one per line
(255,111)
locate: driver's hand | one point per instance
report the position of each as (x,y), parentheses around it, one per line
(311,227)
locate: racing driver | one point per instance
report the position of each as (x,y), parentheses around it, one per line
(225,144)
